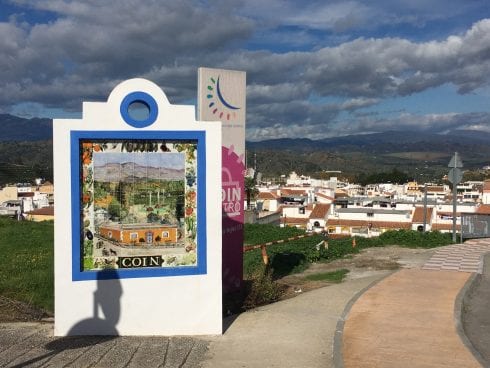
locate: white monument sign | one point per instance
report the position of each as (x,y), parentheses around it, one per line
(138,218)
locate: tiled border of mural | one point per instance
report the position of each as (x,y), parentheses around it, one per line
(171,243)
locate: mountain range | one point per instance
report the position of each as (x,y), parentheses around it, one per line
(417,153)
(385,142)
(16,128)
(129,172)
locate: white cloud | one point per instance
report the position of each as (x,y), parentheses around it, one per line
(91,46)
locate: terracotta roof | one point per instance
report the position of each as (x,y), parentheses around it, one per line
(365,223)
(486,186)
(435,189)
(483,209)
(292,192)
(267,195)
(444,227)
(418,214)
(320,211)
(298,205)
(447,213)
(46,211)
(341,194)
(25,194)
(294,220)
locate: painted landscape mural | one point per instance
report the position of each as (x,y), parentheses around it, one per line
(138,204)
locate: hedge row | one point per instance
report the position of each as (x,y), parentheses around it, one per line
(295,256)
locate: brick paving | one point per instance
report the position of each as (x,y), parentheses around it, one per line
(407,320)
(33,345)
(467,257)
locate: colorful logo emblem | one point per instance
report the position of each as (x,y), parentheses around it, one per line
(218,103)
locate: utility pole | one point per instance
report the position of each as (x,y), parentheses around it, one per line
(425,206)
(455,175)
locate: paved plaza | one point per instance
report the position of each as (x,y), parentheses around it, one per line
(407,318)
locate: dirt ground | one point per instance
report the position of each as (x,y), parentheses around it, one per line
(15,311)
(368,262)
(364,264)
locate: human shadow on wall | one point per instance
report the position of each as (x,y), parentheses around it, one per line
(90,331)
(106,299)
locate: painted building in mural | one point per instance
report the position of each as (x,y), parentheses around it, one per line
(135,233)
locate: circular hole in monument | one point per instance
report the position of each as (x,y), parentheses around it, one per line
(139,110)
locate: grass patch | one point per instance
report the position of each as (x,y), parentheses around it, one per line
(333,276)
(26,262)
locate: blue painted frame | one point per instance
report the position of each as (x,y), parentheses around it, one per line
(200,268)
(144,98)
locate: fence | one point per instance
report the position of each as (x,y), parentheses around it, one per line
(475,225)
(265,257)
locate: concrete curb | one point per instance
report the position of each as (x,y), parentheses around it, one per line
(338,359)
(459,307)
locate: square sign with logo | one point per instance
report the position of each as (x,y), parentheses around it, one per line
(222,96)
(138,217)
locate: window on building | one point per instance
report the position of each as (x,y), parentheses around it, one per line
(165,234)
(302,210)
(133,236)
(316,224)
(370,214)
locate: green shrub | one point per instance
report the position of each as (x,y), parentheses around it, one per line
(284,258)
(259,234)
(338,248)
(262,289)
(415,239)
(295,256)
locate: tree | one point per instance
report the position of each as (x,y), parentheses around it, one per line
(250,189)
(114,209)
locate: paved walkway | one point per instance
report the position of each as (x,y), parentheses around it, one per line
(465,257)
(405,320)
(411,318)
(298,332)
(33,345)
(295,333)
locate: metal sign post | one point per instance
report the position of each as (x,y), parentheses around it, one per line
(455,175)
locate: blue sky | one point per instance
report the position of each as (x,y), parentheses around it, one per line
(315,69)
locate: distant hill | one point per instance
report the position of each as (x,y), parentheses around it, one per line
(423,156)
(386,142)
(129,172)
(26,151)
(14,128)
